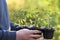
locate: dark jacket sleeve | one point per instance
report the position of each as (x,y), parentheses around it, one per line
(7,35)
(15,27)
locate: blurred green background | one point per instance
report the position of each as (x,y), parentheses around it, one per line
(40,12)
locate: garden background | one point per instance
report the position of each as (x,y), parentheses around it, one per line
(40,12)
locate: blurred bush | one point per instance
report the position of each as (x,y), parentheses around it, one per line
(39,12)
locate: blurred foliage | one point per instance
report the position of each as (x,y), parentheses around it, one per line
(40,12)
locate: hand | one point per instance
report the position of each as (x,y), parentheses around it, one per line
(26,34)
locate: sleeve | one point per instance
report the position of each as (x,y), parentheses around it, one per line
(15,27)
(7,35)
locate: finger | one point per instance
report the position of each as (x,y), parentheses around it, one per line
(35,36)
(35,31)
(32,39)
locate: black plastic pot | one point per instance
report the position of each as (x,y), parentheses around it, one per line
(48,33)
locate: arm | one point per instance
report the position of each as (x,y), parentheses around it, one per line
(23,34)
(7,35)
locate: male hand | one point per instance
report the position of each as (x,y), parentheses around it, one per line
(26,34)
